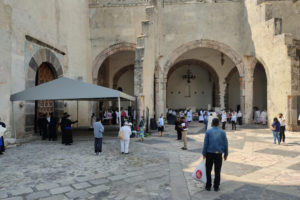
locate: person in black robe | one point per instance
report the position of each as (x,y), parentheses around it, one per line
(114,117)
(178,128)
(66,123)
(39,123)
(52,128)
(44,126)
(2,147)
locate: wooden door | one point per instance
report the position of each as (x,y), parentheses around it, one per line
(44,74)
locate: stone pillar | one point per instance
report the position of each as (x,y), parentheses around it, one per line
(247,89)
(160,92)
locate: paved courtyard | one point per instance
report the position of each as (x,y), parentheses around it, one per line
(156,169)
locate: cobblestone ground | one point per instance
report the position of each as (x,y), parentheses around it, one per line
(156,169)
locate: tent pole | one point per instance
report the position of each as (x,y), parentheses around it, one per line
(77,113)
(119,105)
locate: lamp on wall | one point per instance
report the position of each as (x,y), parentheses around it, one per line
(188,76)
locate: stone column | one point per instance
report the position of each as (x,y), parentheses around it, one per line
(247,88)
(160,92)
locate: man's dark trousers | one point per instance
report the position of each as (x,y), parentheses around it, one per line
(98,145)
(216,160)
(179,134)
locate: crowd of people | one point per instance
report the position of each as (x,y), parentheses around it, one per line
(48,127)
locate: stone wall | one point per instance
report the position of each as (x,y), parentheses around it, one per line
(271,50)
(52,27)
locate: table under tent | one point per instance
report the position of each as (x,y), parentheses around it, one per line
(71,90)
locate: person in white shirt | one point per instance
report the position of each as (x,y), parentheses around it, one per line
(257,116)
(281,120)
(224,119)
(126,129)
(233,120)
(211,116)
(189,115)
(239,117)
(161,125)
(263,117)
(201,117)
(92,121)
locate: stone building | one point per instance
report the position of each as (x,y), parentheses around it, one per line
(168,53)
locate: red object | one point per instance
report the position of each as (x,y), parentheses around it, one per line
(123,114)
(137,128)
(198,174)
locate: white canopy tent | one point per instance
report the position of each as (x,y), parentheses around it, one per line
(68,89)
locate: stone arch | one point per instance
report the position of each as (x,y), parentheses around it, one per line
(227,80)
(124,46)
(204,43)
(205,66)
(40,57)
(119,73)
(257,59)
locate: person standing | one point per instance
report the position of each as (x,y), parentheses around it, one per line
(66,126)
(184,126)
(178,128)
(126,137)
(141,129)
(276,130)
(52,127)
(3,127)
(239,117)
(205,120)
(224,119)
(44,126)
(209,120)
(215,145)
(161,124)
(189,115)
(98,133)
(281,120)
(92,121)
(263,117)
(233,120)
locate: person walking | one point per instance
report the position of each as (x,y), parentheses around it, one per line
(215,145)
(281,120)
(161,125)
(233,120)
(184,127)
(126,138)
(98,134)
(178,128)
(224,120)
(276,130)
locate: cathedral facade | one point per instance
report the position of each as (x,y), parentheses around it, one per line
(209,54)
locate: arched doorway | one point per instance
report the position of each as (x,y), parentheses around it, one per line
(46,62)
(221,57)
(232,92)
(260,87)
(115,70)
(192,83)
